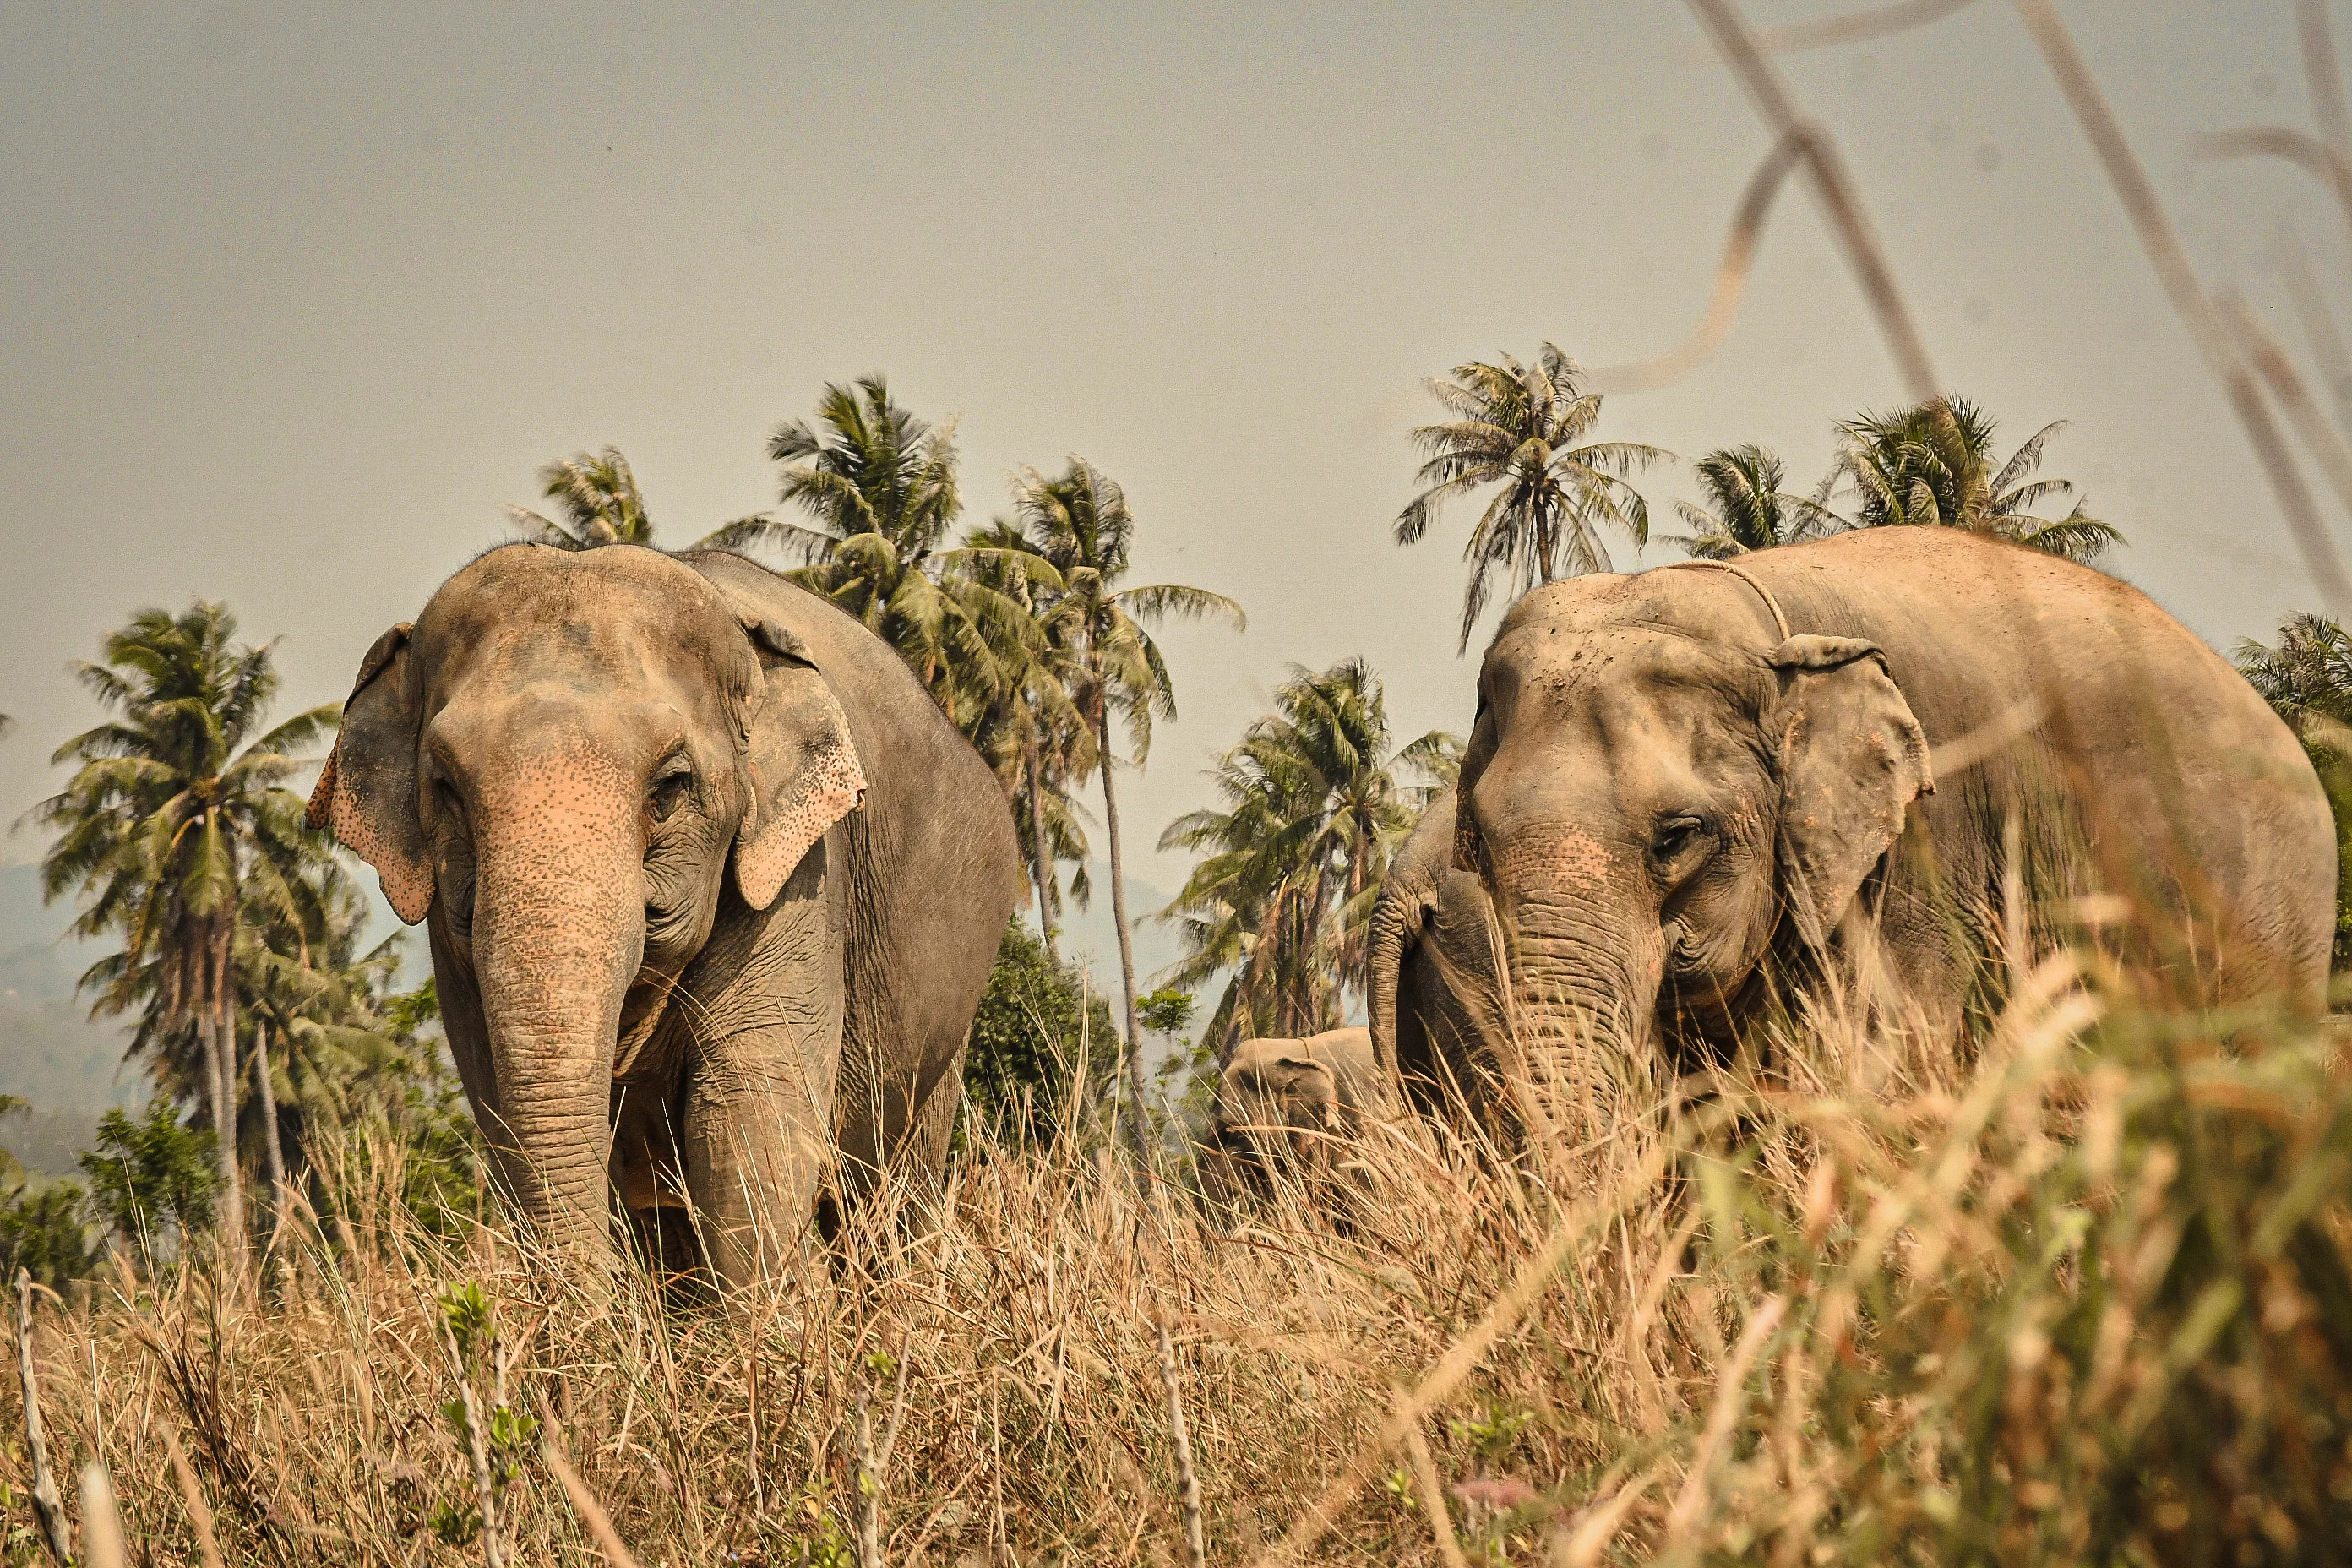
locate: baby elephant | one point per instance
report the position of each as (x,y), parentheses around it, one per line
(1297,1106)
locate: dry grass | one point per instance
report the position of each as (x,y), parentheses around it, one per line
(2088,1304)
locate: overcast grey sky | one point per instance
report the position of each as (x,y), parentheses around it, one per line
(293,297)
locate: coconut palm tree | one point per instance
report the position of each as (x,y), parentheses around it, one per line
(2307,681)
(880,485)
(1080,523)
(175,824)
(597,495)
(1313,804)
(1933,464)
(1746,507)
(1524,428)
(601,504)
(1031,732)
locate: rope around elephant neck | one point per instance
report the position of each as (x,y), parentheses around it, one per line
(1745,576)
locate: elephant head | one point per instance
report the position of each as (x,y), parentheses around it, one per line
(562,763)
(1662,790)
(1292,1105)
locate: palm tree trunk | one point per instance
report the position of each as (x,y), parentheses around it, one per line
(221,1054)
(1136,1130)
(1039,860)
(270,1143)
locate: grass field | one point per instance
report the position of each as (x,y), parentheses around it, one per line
(2090,1303)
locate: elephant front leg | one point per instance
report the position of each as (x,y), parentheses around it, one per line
(758,1114)
(757,1106)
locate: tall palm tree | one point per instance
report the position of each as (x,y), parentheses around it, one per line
(1079,521)
(1524,428)
(1933,464)
(599,500)
(1314,804)
(310,1002)
(175,823)
(1746,507)
(601,504)
(879,485)
(1031,732)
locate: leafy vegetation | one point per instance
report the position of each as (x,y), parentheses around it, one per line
(1524,428)
(2308,680)
(1313,804)
(1041,1043)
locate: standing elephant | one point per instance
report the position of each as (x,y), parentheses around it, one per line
(1436,1017)
(1292,1105)
(1686,782)
(558,765)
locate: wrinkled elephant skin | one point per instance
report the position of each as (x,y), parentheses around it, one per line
(713,887)
(1674,801)
(1436,1014)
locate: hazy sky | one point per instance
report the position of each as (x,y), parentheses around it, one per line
(293,298)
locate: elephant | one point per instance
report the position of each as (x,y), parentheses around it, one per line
(1709,788)
(558,766)
(1297,1106)
(1436,1016)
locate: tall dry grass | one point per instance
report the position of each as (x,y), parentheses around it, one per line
(2090,1302)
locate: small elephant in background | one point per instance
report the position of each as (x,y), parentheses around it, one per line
(1297,1106)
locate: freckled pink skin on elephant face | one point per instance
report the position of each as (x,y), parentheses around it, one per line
(562,764)
(1668,793)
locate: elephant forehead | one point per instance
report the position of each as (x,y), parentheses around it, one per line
(616,614)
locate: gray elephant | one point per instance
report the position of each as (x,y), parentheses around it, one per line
(713,886)
(1292,1106)
(1436,1014)
(1690,790)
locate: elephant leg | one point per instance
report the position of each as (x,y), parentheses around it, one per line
(757,1105)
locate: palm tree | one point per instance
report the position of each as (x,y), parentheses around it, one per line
(1314,803)
(1080,523)
(879,484)
(2307,681)
(600,502)
(312,1004)
(1747,509)
(1032,732)
(1933,465)
(1520,426)
(175,824)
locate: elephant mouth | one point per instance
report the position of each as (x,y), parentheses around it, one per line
(642,1012)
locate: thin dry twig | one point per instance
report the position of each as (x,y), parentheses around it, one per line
(1188,1484)
(1835,187)
(48,1508)
(583,1501)
(1432,1495)
(2301,148)
(2189,300)
(102,1521)
(2324,76)
(199,1513)
(1730,276)
(1856,26)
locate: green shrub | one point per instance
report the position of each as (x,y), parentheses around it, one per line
(1026,1040)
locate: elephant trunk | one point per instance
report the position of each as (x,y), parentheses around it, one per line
(558,935)
(1583,994)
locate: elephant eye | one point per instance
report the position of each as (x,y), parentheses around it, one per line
(669,792)
(1677,837)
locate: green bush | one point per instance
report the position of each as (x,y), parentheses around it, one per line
(152,1181)
(1025,1040)
(46,1230)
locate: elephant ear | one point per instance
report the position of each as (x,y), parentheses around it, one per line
(367,792)
(801,766)
(1852,758)
(1303,1075)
